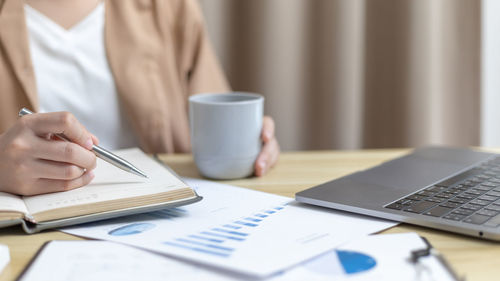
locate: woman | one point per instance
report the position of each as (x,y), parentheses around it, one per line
(124,68)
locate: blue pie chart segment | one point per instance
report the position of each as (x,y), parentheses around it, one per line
(355,262)
(131,229)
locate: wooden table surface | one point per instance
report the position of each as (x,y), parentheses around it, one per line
(474,258)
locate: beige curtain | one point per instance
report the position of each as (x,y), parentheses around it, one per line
(350,74)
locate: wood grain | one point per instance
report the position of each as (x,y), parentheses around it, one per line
(296,171)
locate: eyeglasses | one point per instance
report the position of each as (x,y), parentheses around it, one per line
(422,269)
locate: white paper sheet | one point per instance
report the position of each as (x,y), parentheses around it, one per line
(10,202)
(237,229)
(106,261)
(4,257)
(101,260)
(388,255)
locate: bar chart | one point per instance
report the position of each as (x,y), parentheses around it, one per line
(223,240)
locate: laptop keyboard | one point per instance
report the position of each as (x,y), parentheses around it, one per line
(471,197)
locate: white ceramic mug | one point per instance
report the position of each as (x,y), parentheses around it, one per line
(225,133)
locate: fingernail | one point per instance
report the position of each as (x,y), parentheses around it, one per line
(91,174)
(89,143)
(262,165)
(267,134)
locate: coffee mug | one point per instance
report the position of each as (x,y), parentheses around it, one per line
(225,133)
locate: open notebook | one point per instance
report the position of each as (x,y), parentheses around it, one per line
(112,193)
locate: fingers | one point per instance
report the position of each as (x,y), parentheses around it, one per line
(63,151)
(267,129)
(55,170)
(94,139)
(59,123)
(267,157)
(270,150)
(51,185)
(33,163)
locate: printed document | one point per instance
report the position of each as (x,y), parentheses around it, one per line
(237,229)
(376,257)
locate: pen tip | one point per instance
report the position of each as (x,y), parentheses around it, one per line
(144,175)
(138,172)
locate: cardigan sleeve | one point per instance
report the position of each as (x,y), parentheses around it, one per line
(202,68)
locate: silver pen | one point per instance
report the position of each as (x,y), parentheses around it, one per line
(102,153)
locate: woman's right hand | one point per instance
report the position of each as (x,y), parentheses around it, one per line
(33,162)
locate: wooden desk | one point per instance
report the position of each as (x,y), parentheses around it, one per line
(477,259)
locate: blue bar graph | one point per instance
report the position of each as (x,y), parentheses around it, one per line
(232,226)
(223,236)
(230,232)
(217,247)
(220,241)
(196,249)
(206,238)
(246,223)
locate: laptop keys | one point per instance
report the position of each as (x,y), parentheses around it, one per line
(480,202)
(493,193)
(466,196)
(458,178)
(416,197)
(487,197)
(472,207)
(486,212)
(445,195)
(450,204)
(471,197)
(395,206)
(436,199)
(477,219)
(436,189)
(463,211)
(438,211)
(459,200)
(421,206)
(493,222)
(474,192)
(493,207)
(455,216)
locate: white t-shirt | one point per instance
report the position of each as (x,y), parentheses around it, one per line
(72,74)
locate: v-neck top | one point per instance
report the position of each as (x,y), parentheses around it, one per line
(72,74)
(158,51)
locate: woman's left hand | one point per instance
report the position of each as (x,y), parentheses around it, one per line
(270,148)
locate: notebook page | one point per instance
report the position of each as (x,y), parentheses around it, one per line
(111,183)
(12,203)
(106,173)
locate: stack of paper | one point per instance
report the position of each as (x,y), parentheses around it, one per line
(236,229)
(380,257)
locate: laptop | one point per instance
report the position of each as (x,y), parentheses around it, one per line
(452,189)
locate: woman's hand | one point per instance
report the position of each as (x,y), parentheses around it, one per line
(31,162)
(270,149)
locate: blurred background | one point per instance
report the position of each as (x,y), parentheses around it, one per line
(347,74)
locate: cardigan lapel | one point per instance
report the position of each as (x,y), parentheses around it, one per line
(14,41)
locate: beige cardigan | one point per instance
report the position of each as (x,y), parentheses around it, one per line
(159,54)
